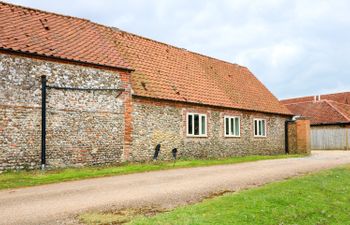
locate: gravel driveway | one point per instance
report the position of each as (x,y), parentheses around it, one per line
(53,203)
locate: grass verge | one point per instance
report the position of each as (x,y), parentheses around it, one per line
(322,198)
(37,177)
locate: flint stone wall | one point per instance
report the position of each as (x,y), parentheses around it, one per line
(88,127)
(83,127)
(164,123)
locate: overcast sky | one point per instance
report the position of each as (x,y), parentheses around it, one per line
(295,48)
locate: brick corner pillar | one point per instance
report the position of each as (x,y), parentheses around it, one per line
(127,128)
(127,117)
(299,136)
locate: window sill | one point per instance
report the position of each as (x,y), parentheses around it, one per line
(260,137)
(196,136)
(231,136)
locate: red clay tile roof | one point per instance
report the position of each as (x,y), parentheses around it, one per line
(38,32)
(343,97)
(322,112)
(161,71)
(167,72)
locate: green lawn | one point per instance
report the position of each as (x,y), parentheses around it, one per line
(319,199)
(31,178)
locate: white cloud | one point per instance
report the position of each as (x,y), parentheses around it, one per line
(276,56)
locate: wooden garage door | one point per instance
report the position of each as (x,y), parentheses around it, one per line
(330,138)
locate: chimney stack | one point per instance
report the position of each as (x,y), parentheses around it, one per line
(317,98)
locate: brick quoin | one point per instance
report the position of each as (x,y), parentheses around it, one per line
(127,115)
(299,136)
(303,135)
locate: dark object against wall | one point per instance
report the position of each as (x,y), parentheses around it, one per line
(174,153)
(156,152)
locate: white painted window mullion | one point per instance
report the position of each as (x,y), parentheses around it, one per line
(200,124)
(193,132)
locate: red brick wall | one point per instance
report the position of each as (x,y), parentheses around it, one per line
(127,115)
(299,137)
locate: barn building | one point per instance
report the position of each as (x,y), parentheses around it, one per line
(111,96)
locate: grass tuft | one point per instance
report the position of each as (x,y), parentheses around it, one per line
(117,217)
(101,219)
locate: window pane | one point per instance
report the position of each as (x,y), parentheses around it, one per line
(189,124)
(196,124)
(231,126)
(237,124)
(263,127)
(260,128)
(203,125)
(227,129)
(255,127)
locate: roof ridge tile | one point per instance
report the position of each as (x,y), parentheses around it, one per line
(115,29)
(311,97)
(42,11)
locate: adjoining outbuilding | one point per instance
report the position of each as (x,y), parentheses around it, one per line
(112,96)
(329,115)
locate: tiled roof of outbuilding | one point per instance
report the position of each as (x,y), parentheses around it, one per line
(343,97)
(49,34)
(322,112)
(161,71)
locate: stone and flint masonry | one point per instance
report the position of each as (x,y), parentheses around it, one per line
(159,94)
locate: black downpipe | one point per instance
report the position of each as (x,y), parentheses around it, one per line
(43,122)
(286,135)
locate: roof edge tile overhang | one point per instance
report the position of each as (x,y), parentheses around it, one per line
(212,105)
(68,60)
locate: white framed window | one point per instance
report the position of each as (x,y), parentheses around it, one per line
(232,126)
(259,127)
(196,125)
